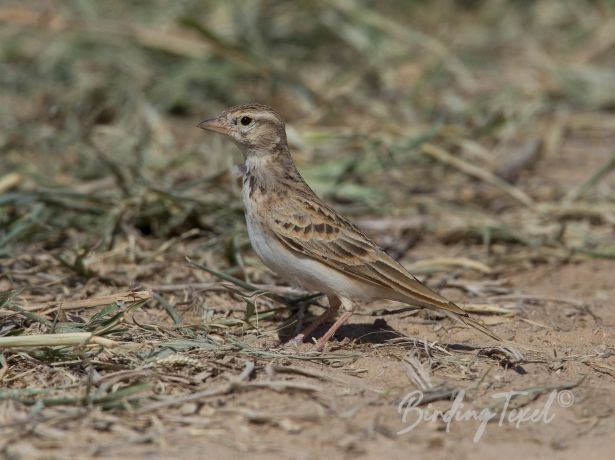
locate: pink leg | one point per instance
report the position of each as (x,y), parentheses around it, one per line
(334,304)
(320,345)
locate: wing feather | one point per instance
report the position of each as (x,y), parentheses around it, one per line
(323,235)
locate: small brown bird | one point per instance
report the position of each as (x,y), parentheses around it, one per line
(304,240)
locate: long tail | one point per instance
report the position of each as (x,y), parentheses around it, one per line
(461,315)
(416,293)
(479,327)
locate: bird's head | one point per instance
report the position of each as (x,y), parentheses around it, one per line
(256,129)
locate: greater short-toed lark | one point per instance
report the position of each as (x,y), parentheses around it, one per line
(304,240)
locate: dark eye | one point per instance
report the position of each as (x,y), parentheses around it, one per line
(245,121)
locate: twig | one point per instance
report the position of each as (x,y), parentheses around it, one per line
(536,297)
(479,173)
(279,385)
(448,262)
(524,397)
(324,376)
(486,309)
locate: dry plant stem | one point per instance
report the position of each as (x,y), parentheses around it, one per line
(448,262)
(479,173)
(126,296)
(486,309)
(577,192)
(535,297)
(416,372)
(528,395)
(221,275)
(280,385)
(50,340)
(221,286)
(328,376)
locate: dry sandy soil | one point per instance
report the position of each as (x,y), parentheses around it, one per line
(473,140)
(235,397)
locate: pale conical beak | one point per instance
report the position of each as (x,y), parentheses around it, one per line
(213,124)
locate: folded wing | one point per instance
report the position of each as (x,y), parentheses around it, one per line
(322,234)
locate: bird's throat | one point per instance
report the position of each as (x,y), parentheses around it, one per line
(266,173)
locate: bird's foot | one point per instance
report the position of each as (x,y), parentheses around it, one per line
(321,344)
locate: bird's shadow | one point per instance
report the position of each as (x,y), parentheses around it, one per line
(377,332)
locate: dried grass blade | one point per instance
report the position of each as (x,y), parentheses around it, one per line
(51,340)
(477,172)
(126,296)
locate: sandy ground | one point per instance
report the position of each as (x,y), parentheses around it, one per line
(298,404)
(404,124)
(354,411)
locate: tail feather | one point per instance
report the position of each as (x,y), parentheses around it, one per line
(480,327)
(438,303)
(457,313)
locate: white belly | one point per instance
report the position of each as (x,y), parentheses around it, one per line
(302,271)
